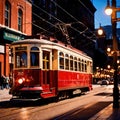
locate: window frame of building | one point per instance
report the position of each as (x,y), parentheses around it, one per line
(20,20)
(7,14)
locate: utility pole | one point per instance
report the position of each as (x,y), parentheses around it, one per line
(115,49)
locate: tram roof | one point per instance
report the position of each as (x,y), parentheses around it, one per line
(50,42)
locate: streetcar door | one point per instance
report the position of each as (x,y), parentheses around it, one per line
(46,70)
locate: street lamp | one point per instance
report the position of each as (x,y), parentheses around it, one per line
(108,9)
(100,30)
(113,10)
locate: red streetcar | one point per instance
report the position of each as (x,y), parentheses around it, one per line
(44,69)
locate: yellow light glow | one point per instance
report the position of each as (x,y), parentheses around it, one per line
(20,81)
(100,31)
(108,11)
(118,61)
(108,49)
(108,66)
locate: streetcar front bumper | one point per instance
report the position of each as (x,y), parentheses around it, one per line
(26,92)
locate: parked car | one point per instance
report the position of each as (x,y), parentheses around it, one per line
(104,82)
(111,82)
(99,82)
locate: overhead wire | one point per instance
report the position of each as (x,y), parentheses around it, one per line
(56,18)
(88,9)
(85,7)
(71,16)
(89,12)
(62,21)
(43,19)
(75,18)
(42,28)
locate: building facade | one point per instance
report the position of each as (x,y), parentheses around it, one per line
(15,24)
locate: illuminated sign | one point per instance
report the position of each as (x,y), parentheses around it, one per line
(11,37)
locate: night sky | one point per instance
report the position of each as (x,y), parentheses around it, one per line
(100,16)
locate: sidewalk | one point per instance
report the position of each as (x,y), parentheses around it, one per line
(4,95)
(107,114)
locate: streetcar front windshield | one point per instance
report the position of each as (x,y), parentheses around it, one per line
(20,58)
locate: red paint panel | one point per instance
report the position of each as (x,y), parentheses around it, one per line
(69,80)
(59,80)
(32,76)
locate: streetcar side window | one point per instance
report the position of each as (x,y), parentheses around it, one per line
(61,60)
(71,62)
(82,65)
(34,56)
(66,62)
(85,66)
(79,65)
(91,67)
(21,59)
(75,63)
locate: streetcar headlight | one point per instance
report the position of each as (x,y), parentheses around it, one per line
(21,80)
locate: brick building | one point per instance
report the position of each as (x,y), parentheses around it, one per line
(15,24)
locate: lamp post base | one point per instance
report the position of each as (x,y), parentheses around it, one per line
(116,97)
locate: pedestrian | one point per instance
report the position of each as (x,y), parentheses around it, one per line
(10,80)
(7,83)
(0,83)
(2,79)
